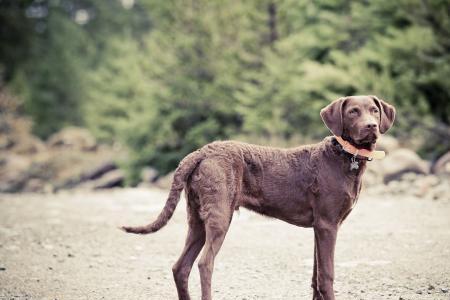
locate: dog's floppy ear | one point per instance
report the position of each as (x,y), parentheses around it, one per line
(387,114)
(332,116)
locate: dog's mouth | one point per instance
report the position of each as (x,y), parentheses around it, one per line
(368,141)
(364,139)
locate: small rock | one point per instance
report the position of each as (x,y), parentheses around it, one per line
(2,269)
(111,179)
(34,185)
(148,174)
(98,171)
(419,292)
(442,165)
(430,287)
(444,290)
(165,182)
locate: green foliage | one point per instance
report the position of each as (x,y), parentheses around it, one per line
(116,89)
(49,47)
(193,71)
(166,77)
(54,77)
(329,49)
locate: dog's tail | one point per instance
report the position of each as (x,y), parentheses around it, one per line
(185,168)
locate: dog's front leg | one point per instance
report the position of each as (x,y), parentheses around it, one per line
(314,276)
(325,241)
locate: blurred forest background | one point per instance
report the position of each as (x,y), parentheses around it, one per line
(158,79)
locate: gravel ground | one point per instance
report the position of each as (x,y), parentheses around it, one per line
(66,246)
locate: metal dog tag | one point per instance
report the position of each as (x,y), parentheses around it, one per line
(354,164)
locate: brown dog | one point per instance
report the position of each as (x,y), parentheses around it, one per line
(309,186)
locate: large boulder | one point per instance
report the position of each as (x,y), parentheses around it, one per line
(388,144)
(29,145)
(402,161)
(165,182)
(111,179)
(92,172)
(74,138)
(374,175)
(13,172)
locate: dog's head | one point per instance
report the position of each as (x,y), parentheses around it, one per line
(359,119)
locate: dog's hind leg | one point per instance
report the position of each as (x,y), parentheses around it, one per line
(216,227)
(216,200)
(194,243)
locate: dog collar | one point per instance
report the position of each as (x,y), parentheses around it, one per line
(349,148)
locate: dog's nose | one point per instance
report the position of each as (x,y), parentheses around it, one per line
(371,125)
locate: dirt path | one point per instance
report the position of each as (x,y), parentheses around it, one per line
(66,246)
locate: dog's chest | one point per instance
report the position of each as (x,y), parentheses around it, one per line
(349,197)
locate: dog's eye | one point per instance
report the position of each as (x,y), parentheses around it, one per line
(353,111)
(375,110)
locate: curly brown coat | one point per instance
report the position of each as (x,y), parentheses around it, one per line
(308,186)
